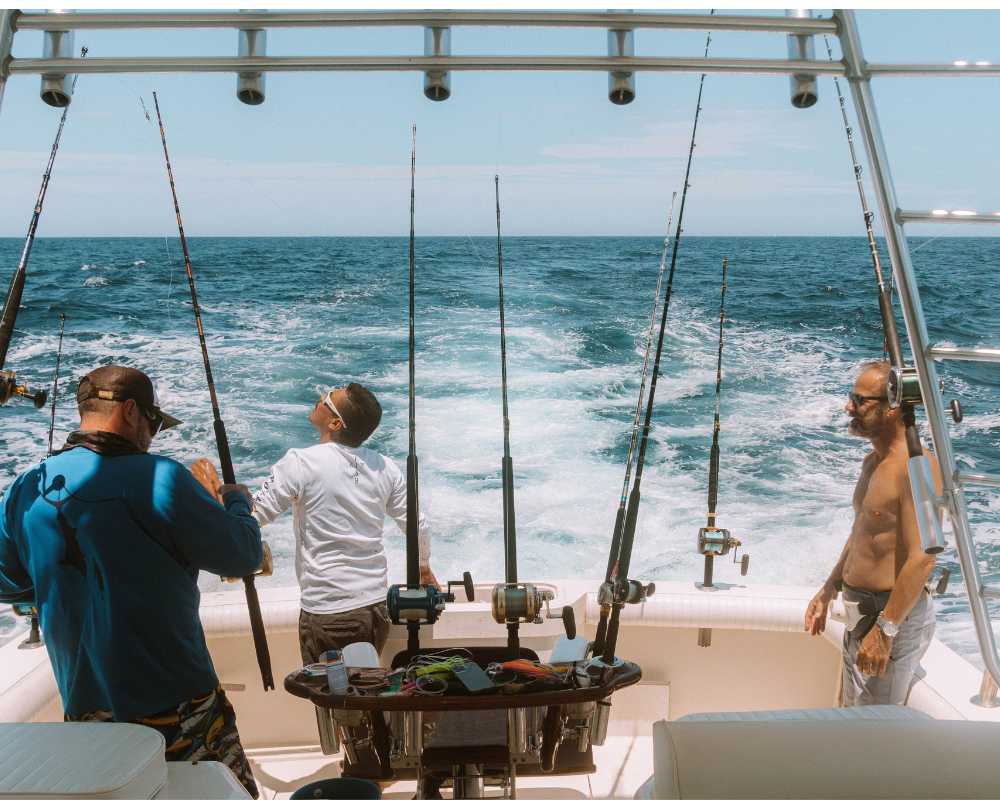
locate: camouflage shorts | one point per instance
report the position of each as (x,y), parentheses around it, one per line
(202,729)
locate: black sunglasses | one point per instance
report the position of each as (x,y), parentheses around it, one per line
(155,420)
(860,399)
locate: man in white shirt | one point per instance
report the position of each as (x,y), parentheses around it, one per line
(340,493)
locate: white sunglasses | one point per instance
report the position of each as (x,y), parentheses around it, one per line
(327,397)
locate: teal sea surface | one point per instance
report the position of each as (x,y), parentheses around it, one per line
(285,315)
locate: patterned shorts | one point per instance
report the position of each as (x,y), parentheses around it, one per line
(202,729)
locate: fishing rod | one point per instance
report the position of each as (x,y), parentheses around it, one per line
(616,536)
(620,590)
(891,337)
(411,603)
(221,439)
(55,380)
(903,384)
(8,380)
(714,541)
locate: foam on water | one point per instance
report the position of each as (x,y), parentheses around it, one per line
(283,315)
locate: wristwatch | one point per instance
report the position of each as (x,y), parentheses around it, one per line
(889,628)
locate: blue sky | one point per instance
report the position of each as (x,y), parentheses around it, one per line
(328,153)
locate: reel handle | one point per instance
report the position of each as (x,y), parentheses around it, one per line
(467,584)
(9,387)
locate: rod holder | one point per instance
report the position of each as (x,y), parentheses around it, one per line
(250,85)
(57,87)
(805,89)
(437,83)
(925,504)
(621,85)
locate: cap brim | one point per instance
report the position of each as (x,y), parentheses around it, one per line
(168,421)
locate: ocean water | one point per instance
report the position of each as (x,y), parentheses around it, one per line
(285,314)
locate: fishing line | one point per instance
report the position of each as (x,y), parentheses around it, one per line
(221,439)
(619,589)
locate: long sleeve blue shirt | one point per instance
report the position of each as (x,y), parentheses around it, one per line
(109,549)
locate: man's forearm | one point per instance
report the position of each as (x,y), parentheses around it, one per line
(908,586)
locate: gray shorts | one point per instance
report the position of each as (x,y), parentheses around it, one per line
(321,632)
(904,670)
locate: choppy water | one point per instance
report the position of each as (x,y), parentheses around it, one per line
(285,314)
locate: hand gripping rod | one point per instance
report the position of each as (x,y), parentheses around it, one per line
(221,439)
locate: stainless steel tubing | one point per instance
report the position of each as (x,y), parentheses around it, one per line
(621,83)
(989,355)
(517,731)
(948,216)
(805,91)
(751,66)
(437,83)
(934,70)
(250,85)
(978,479)
(313,19)
(7,18)
(413,733)
(329,739)
(860,81)
(57,86)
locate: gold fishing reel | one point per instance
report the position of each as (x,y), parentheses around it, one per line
(9,387)
(524,602)
(265,570)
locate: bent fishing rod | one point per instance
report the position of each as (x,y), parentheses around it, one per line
(221,439)
(8,380)
(55,380)
(903,385)
(616,536)
(620,590)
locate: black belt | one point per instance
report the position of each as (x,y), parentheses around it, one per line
(870,605)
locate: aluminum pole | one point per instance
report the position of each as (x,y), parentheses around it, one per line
(7,18)
(317,19)
(404,63)
(906,282)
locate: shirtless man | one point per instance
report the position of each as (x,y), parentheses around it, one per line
(883,565)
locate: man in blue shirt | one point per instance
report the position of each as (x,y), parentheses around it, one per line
(107,541)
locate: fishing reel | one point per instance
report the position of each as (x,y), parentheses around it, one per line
(525,602)
(714,542)
(903,386)
(624,591)
(424,604)
(9,387)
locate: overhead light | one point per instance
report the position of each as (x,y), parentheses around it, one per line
(984,63)
(963,213)
(805,90)
(940,212)
(961,63)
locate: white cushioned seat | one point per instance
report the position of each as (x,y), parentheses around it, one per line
(851,712)
(80,760)
(848,758)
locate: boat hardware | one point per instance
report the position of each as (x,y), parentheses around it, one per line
(903,385)
(55,380)
(30,611)
(606,591)
(805,91)
(413,604)
(437,42)
(221,439)
(252,43)
(942,584)
(9,386)
(714,541)
(620,589)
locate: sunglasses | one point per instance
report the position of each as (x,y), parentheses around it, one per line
(155,419)
(859,400)
(326,395)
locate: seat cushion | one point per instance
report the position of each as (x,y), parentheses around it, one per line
(888,759)
(80,760)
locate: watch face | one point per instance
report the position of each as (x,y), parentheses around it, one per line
(890,629)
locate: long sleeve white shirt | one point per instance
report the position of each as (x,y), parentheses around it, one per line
(340,497)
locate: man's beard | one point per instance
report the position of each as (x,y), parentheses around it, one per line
(858,426)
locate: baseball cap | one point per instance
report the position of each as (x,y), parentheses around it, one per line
(124,383)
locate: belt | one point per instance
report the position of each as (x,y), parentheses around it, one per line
(870,605)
